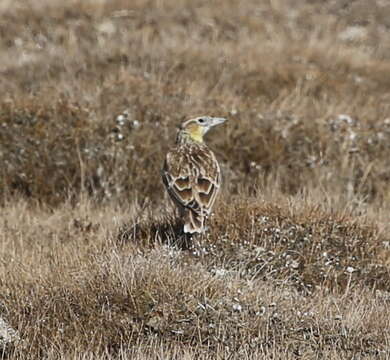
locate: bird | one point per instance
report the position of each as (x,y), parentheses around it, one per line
(191,173)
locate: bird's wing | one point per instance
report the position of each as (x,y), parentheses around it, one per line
(192,177)
(176,178)
(208,181)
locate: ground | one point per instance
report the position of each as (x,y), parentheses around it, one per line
(296,260)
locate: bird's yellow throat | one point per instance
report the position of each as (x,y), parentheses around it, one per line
(195,132)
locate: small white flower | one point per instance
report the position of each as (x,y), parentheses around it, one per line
(121,119)
(220,272)
(346,118)
(135,124)
(353,33)
(237,307)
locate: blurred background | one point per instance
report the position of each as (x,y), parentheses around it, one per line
(91,93)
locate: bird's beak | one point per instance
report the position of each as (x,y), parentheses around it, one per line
(217,121)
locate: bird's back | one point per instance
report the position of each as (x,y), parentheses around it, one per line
(192,177)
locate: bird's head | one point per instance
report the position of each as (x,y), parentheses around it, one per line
(195,129)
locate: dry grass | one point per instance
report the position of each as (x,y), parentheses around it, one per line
(297,261)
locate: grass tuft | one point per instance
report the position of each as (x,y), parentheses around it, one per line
(93,261)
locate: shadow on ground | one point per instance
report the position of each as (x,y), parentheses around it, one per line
(167,231)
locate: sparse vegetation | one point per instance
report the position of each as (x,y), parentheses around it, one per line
(296,264)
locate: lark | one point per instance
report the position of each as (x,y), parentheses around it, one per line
(191,173)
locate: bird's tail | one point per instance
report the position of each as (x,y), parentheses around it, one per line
(194,222)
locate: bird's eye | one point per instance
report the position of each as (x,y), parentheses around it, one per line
(201,121)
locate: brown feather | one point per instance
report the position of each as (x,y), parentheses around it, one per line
(204,185)
(192,177)
(183,183)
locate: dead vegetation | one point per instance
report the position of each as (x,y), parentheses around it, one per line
(296,263)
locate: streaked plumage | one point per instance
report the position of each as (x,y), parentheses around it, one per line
(191,173)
